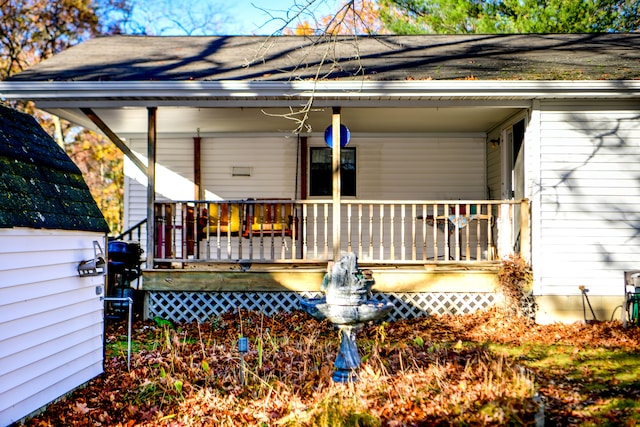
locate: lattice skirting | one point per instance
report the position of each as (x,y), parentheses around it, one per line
(202,306)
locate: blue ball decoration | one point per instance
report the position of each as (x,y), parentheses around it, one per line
(345,135)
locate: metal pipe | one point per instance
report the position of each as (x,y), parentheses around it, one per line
(129,302)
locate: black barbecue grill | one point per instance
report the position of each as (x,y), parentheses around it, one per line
(123,268)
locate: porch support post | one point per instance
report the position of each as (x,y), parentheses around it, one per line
(335,155)
(151,183)
(197,172)
(525,230)
(304,147)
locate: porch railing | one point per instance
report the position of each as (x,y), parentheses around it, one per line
(378,231)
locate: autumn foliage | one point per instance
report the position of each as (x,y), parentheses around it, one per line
(353,17)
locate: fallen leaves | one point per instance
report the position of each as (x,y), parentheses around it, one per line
(437,370)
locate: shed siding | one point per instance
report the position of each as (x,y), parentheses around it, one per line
(588,217)
(50,318)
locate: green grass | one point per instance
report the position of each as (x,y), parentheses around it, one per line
(601,377)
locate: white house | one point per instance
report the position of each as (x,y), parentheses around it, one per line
(51,318)
(463,150)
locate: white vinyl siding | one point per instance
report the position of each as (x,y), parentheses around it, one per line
(420,168)
(272,161)
(387,169)
(588,216)
(51,319)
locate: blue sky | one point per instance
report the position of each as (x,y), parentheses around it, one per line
(252,17)
(227,17)
(256,16)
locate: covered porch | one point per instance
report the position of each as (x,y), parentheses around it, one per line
(222,178)
(426,256)
(298,231)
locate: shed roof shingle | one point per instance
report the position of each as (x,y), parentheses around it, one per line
(253,58)
(40,187)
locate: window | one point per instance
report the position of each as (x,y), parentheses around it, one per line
(320,179)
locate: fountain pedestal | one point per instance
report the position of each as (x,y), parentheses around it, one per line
(347,304)
(348,359)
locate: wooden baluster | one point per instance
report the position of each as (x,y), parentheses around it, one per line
(467,232)
(360,236)
(478,228)
(446,232)
(179,225)
(218,233)
(315,231)
(413,233)
(490,248)
(260,231)
(392,217)
(303,231)
(283,229)
(457,232)
(207,232)
(326,229)
(403,245)
(241,220)
(435,231)
(251,209)
(403,222)
(371,231)
(229,215)
(424,232)
(294,231)
(381,211)
(173,230)
(349,228)
(271,220)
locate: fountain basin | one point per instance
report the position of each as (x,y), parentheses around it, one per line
(347,303)
(345,314)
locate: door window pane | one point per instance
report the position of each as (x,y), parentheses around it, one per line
(320,179)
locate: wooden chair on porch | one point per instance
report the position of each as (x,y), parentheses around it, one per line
(271,217)
(223,218)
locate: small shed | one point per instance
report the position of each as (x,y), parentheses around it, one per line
(51,317)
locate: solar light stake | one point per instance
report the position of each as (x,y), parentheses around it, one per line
(243,348)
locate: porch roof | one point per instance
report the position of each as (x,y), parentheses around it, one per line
(376,58)
(227,84)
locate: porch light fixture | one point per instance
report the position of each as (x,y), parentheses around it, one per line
(345,135)
(494,143)
(240,171)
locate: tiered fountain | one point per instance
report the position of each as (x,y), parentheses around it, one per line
(348,304)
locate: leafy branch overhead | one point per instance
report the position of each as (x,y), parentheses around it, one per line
(509,16)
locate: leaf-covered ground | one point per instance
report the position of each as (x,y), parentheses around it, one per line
(479,369)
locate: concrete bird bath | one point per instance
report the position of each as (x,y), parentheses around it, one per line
(347,304)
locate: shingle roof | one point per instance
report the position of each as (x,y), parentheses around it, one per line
(40,187)
(439,57)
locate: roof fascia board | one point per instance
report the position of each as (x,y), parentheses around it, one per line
(324,89)
(319,135)
(51,104)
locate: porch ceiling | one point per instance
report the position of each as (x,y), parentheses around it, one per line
(393,120)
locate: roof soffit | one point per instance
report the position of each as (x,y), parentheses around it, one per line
(85,94)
